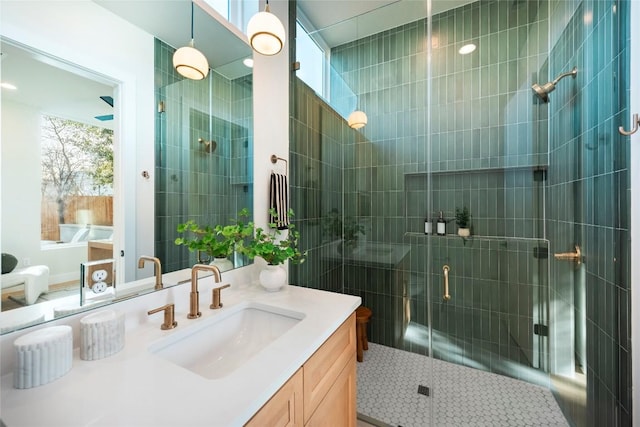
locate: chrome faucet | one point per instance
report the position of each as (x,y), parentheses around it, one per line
(194,298)
(157,268)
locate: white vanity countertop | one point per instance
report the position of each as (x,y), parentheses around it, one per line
(136,388)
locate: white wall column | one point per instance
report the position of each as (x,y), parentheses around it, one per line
(270,115)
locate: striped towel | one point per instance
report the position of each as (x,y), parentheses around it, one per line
(279,200)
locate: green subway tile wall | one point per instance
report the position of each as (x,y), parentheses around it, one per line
(191,183)
(487,151)
(538,178)
(587,204)
(317,138)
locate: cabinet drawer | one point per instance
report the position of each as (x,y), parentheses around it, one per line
(339,406)
(323,368)
(284,408)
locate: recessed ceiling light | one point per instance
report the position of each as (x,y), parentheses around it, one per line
(248,62)
(6,85)
(467,49)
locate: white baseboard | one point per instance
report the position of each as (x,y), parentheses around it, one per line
(72,276)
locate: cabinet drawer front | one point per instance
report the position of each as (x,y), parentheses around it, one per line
(339,406)
(326,364)
(284,409)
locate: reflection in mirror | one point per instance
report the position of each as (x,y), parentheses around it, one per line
(57,176)
(203,153)
(214,175)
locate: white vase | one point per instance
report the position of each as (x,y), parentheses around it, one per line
(464,232)
(223,264)
(273,277)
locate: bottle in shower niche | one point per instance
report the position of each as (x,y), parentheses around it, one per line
(428,225)
(441,225)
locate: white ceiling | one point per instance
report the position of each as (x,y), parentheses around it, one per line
(342,21)
(46,85)
(62,90)
(224,45)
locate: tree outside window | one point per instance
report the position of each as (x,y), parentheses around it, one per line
(77,167)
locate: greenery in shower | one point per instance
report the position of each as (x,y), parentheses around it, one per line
(463,217)
(271,246)
(217,241)
(348,230)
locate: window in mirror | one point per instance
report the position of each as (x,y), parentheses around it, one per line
(77,182)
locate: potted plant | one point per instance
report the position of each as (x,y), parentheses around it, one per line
(348,231)
(218,242)
(275,249)
(332,224)
(463,220)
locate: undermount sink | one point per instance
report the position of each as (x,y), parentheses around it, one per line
(219,345)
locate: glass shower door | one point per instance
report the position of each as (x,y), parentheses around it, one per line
(540,291)
(488,154)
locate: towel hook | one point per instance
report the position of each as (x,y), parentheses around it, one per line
(634,123)
(274,160)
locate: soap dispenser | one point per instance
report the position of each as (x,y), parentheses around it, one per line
(427,225)
(441,225)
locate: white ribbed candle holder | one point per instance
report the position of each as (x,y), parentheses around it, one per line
(101,334)
(43,356)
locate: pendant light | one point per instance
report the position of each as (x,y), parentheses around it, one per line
(265,32)
(357,119)
(189,61)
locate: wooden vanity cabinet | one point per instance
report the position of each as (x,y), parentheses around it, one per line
(322,371)
(338,408)
(284,408)
(322,392)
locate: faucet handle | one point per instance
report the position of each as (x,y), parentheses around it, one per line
(215,297)
(169,316)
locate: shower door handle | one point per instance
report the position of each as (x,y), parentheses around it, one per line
(445,271)
(634,126)
(570,256)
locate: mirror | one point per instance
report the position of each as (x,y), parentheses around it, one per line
(204,156)
(83,229)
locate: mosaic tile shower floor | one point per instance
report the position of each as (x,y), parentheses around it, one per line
(388,381)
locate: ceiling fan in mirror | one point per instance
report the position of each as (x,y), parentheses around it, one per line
(106,117)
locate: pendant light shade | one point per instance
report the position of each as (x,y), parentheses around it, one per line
(265,32)
(189,61)
(357,119)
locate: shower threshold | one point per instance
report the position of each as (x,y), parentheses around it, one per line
(366,421)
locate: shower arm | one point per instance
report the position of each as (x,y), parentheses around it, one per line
(573,73)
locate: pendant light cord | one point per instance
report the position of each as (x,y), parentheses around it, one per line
(192,20)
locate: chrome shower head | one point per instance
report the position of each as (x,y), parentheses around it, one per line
(544,90)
